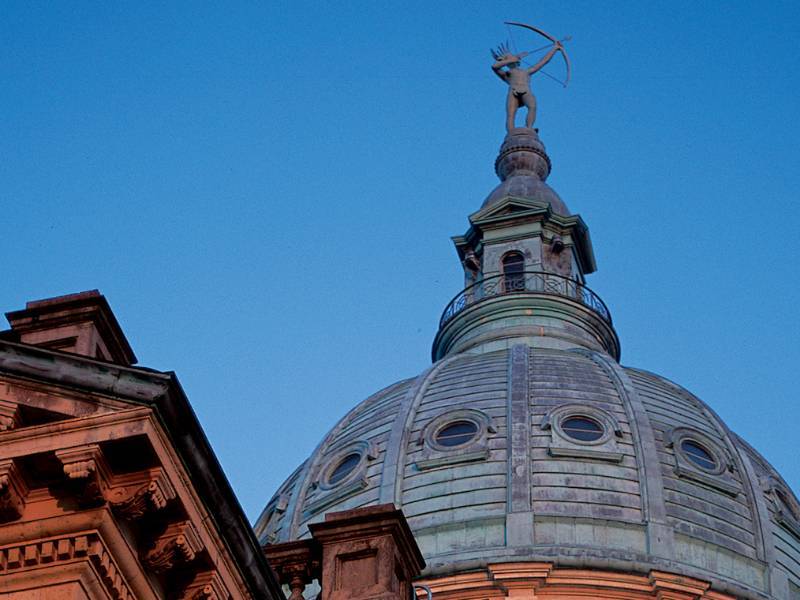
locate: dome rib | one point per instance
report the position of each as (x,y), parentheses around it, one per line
(659,533)
(747,474)
(312,465)
(754,461)
(632,502)
(520,519)
(762,515)
(392,478)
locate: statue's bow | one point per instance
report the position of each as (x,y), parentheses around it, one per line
(552,39)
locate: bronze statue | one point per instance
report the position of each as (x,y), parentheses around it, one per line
(507,67)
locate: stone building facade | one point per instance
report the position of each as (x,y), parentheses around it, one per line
(108,487)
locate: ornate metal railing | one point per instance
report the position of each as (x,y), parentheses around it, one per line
(527,282)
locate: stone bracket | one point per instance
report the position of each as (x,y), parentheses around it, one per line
(13,491)
(135,500)
(207,585)
(86,468)
(179,544)
(9,415)
(668,586)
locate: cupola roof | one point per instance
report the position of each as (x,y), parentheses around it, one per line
(523,167)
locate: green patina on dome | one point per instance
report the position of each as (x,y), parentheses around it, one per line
(517,356)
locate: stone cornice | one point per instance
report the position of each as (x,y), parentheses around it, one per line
(88,546)
(54,436)
(94,522)
(69,370)
(526,209)
(532,579)
(153,396)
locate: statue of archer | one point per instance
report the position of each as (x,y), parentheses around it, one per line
(507,68)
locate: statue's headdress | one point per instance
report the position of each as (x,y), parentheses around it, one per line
(501,51)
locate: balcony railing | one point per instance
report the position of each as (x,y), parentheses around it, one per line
(527,282)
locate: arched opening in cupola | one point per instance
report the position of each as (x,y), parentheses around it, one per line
(514,272)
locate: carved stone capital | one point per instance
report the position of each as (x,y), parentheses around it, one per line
(12,491)
(295,563)
(134,501)
(207,585)
(86,469)
(9,415)
(179,544)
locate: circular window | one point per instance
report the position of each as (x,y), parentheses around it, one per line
(699,455)
(456,434)
(344,468)
(582,429)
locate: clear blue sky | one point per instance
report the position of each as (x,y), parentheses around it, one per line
(265,193)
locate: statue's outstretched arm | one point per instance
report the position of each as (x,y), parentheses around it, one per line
(545,59)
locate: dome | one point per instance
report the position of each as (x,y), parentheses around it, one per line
(526,441)
(522,486)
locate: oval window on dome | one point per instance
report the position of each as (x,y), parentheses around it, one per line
(456,434)
(582,429)
(344,468)
(699,455)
